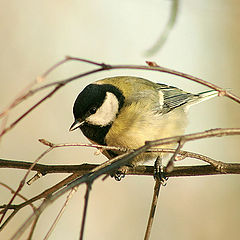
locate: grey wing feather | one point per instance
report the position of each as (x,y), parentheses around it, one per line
(174,97)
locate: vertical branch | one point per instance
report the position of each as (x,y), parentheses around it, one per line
(170,164)
(153,208)
(33,228)
(89,186)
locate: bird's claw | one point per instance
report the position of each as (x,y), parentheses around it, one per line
(159,173)
(120,173)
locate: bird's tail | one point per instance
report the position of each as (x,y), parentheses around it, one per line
(203,96)
(206,95)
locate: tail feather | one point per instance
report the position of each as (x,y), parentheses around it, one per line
(207,95)
(203,96)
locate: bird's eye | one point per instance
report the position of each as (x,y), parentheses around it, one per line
(92,110)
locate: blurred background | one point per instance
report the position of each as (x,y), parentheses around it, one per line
(204,42)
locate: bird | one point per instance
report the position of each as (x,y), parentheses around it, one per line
(127,111)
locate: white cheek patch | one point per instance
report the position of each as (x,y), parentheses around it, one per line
(106,113)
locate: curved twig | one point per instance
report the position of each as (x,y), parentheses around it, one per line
(166,32)
(104,67)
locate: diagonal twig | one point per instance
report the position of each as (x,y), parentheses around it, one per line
(153,208)
(116,164)
(60,213)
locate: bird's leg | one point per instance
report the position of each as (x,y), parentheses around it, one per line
(159,171)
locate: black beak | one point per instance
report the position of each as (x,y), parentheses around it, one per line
(76,125)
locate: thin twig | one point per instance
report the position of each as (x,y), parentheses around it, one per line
(33,227)
(153,208)
(188,137)
(104,67)
(25,92)
(42,195)
(8,219)
(170,164)
(98,146)
(217,132)
(60,213)
(44,169)
(86,198)
(60,84)
(5,130)
(85,168)
(22,182)
(112,164)
(177,172)
(181,171)
(84,179)
(51,190)
(106,169)
(33,217)
(18,194)
(169,168)
(16,208)
(166,32)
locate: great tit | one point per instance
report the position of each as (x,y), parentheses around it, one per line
(126,111)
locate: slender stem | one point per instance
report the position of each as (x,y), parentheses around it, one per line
(5,130)
(22,182)
(86,198)
(60,213)
(170,164)
(153,208)
(33,227)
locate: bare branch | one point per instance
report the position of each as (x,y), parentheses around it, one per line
(60,213)
(33,227)
(217,132)
(104,67)
(118,162)
(153,208)
(170,164)
(18,194)
(88,189)
(91,172)
(27,91)
(22,183)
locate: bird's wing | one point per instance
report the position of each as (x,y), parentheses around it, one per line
(174,97)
